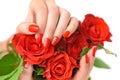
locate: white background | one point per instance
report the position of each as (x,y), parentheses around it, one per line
(12,12)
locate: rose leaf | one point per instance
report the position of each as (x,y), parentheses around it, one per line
(84,51)
(11,67)
(100,64)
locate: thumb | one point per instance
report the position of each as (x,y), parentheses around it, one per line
(27,72)
(27,28)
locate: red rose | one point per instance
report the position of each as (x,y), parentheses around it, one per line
(95,29)
(61,45)
(60,66)
(32,51)
(75,44)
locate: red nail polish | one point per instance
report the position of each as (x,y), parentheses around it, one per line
(66,34)
(38,38)
(94,51)
(87,58)
(26,65)
(55,40)
(46,43)
(33,28)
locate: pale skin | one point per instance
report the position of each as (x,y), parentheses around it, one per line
(52,22)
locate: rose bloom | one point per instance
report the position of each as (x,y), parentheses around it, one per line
(60,66)
(61,45)
(72,45)
(95,29)
(31,50)
(75,44)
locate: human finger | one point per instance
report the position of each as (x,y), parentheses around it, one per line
(91,54)
(61,26)
(86,65)
(73,25)
(27,28)
(27,72)
(52,20)
(38,14)
(30,16)
(41,14)
(3,47)
(83,70)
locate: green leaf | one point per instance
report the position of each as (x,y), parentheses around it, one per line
(100,64)
(84,51)
(1,52)
(109,52)
(38,70)
(17,71)
(89,78)
(13,73)
(100,47)
(11,65)
(38,73)
(8,63)
(11,48)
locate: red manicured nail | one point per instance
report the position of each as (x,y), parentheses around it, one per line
(46,43)
(87,58)
(33,28)
(94,51)
(55,40)
(66,34)
(38,38)
(26,65)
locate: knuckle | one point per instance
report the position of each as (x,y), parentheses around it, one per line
(42,11)
(74,21)
(38,7)
(65,12)
(73,25)
(54,11)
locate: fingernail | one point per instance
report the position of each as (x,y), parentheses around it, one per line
(46,43)
(94,51)
(87,59)
(33,28)
(27,65)
(55,40)
(66,34)
(38,38)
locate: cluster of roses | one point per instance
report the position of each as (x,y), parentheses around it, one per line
(59,61)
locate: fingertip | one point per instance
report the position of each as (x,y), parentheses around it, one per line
(55,40)
(66,34)
(87,59)
(27,65)
(38,37)
(27,28)
(94,49)
(46,42)
(33,28)
(73,25)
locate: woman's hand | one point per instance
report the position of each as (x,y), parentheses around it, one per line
(27,72)
(86,65)
(52,20)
